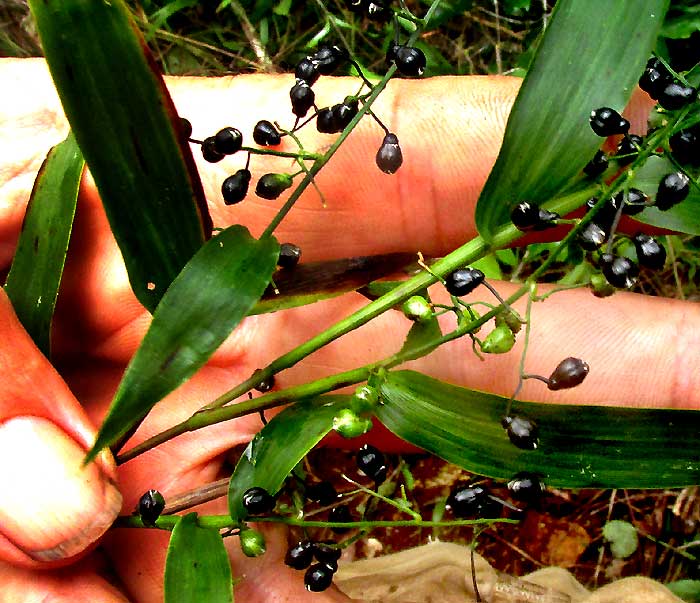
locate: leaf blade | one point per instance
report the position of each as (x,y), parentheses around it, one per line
(280,445)
(212,294)
(35,275)
(197,566)
(684,217)
(548,142)
(580,446)
(125,123)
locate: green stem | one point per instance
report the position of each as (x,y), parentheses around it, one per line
(322,161)
(471,251)
(222,522)
(303,155)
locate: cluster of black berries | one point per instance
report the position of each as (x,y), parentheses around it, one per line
(473,500)
(659,83)
(620,271)
(300,556)
(319,575)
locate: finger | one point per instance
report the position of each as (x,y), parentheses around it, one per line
(51,508)
(450,130)
(74,585)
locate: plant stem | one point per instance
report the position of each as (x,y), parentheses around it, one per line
(222,522)
(301,154)
(474,249)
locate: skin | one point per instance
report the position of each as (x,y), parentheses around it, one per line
(450,129)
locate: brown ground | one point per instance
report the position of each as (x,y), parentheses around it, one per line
(565,531)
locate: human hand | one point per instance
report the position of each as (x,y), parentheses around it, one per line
(450,130)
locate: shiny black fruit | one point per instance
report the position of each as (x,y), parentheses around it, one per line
(271,186)
(258,501)
(150,506)
(675,95)
(591,237)
(463,281)
(620,272)
(528,216)
(606,122)
(526,487)
(328,58)
(389,157)
(628,149)
(340,514)
(673,189)
(302,97)
(372,462)
(318,577)
(209,152)
(650,253)
(290,254)
(327,122)
(228,140)
(307,71)
(522,431)
(265,134)
(570,372)
(235,187)
(597,165)
(323,493)
(326,552)
(472,500)
(300,555)
(685,146)
(409,60)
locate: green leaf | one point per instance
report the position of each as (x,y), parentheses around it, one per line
(212,294)
(280,445)
(197,567)
(125,123)
(310,282)
(688,590)
(622,536)
(684,217)
(35,275)
(579,447)
(548,140)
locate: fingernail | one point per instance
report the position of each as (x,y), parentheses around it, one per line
(51,507)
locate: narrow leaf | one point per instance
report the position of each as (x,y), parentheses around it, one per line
(216,289)
(684,217)
(125,123)
(35,275)
(197,567)
(579,446)
(591,56)
(280,445)
(314,281)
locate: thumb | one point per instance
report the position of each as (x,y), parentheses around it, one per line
(51,507)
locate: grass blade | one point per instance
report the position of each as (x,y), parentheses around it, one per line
(214,292)
(591,56)
(125,123)
(279,446)
(580,446)
(37,268)
(197,567)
